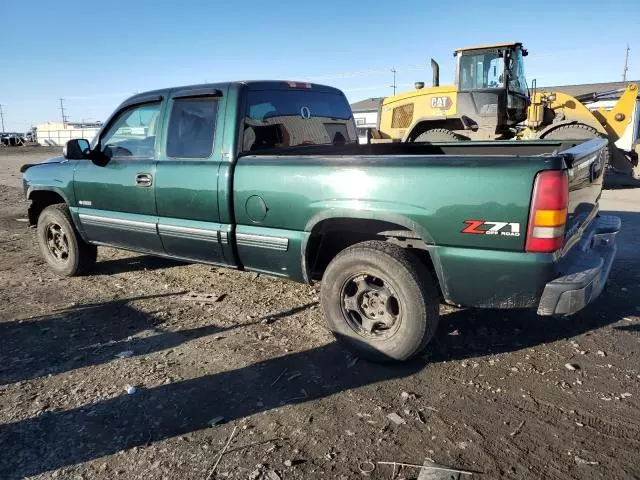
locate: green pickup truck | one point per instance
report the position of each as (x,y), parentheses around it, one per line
(268,176)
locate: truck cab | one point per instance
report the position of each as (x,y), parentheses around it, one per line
(492,89)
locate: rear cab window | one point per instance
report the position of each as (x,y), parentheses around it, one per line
(296,116)
(192,126)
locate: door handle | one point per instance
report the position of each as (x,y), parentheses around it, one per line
(144,180)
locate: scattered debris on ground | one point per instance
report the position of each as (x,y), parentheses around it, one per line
(491,394)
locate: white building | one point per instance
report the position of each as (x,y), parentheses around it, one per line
(365,113)
(58,133)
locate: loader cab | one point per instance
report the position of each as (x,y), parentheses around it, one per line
(492,90)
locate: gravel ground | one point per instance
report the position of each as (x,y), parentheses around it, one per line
(258,370)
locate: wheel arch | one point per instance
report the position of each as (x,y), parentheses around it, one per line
(41,198)
(330,233)
(423,124)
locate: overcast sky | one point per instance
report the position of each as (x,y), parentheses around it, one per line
(95,55)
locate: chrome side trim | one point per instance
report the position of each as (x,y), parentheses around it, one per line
(100,221)
(224,237)
(189,233)
(166,255)
(262,241)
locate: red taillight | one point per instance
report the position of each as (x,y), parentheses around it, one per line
(548,215)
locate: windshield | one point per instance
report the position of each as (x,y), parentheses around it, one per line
(481,71)
(287,118)
(517,80)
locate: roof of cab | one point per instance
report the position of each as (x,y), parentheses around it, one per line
(249,84)
(495,45)
(287,85)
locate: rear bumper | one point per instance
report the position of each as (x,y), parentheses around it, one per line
(585,270)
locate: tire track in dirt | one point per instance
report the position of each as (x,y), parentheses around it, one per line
(193,362)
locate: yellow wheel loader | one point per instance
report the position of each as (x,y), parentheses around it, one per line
(490,100)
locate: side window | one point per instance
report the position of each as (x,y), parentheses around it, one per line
(495,75)
(192,126)
(133,134)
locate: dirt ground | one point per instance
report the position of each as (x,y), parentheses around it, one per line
(491,395)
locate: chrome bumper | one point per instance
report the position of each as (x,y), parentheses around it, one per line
(586,268)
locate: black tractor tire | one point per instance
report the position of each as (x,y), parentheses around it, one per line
(574,131)
(66,253)
(411,301)
(437,135)
(634,159)
(577,131)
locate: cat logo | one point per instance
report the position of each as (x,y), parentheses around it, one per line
(443,103)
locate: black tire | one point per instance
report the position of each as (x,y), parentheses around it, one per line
(437,135)
(634,159)
(577,131)
(574,131)
(410,306)
(61,245)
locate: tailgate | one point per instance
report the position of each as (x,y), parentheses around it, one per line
(586,164)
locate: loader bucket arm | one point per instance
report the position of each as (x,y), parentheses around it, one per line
(611,124)
(616,120)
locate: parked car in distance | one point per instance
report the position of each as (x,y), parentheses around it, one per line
(11,139)
(268,176)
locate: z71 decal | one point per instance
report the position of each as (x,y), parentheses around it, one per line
(484,227)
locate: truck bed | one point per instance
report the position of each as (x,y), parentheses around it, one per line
(431,189)
(505,147)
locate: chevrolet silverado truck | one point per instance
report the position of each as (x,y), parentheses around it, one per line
(268,176)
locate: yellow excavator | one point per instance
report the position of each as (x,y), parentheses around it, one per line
(491,100)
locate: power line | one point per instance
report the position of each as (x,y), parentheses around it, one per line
(2,117)
(626,64)
(64,117)
(394,86)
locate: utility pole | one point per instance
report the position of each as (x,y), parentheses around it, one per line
(393,70)
(2,117)
(626,64)
(64,117)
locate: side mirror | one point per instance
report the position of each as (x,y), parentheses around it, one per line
(76,149)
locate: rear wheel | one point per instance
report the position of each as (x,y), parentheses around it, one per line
(437,135)
(380,301)
(576,131)
(61,245)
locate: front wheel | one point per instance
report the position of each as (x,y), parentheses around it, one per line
(61,245)
(380,301)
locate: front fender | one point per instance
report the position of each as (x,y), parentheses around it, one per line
(46,188)
(32,190)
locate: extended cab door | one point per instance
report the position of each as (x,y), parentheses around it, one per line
(116,202)
(187,175)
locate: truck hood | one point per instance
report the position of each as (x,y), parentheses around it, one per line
(26,166)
